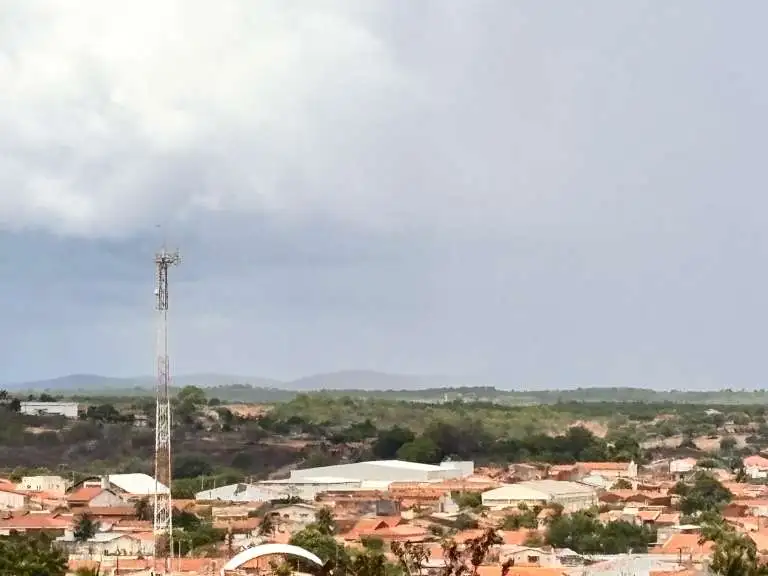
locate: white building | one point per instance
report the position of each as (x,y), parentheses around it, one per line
(297,514)
(135,484)
(107,544)
(309,488)
(66,409)
(681,466)
(389,471)
(12,500)
(51,484)
(308,483)
(239,493)
(756,466)
(572,496)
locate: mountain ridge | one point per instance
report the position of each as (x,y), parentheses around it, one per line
(340,380)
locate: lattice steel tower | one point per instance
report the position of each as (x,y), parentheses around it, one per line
(163,507)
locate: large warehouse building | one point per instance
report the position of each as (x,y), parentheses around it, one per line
(378,474)
(572,496)
(389,471)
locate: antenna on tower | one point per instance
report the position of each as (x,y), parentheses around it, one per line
(163,506)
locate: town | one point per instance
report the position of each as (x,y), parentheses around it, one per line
(537,516)
(383,288)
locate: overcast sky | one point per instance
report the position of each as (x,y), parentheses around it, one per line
(528,193)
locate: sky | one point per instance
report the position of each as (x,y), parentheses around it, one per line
(521,193)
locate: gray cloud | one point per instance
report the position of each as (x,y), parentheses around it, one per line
(539,195)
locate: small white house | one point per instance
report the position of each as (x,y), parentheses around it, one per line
(107,544)
(66,409)
(12,500)
(300,514)
(756,466)
(51,484)
(681,466)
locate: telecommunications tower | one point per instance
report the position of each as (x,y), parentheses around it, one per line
(163,507)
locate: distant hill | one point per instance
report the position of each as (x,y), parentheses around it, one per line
(344,380)
(370,380)
(370,384)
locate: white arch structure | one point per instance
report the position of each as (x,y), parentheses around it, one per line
(266,550)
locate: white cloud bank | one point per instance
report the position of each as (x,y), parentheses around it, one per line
(118,113)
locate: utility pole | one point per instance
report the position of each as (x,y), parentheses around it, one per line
(163,506)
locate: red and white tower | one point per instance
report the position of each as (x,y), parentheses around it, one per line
(163,506)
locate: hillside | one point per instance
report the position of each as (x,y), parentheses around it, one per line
(342,380)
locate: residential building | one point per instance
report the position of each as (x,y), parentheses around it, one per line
(66,409)
(108,544)
(94,497)
(525,472)
(572,496)
(129,486)
(529,556)
(297,514)
(49,484)
(12,499)
(681,467)
(36,522)
(756,466)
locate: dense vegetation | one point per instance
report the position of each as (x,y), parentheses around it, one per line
(217,443)
(24,555)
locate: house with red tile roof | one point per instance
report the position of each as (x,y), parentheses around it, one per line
(371,527)
(756,466)
(94,497)
(686,546)
(36,522)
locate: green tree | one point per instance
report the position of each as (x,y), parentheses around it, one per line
(465,522)
(143,509)
(728,443)
(468,499)
(103,413)
(27,555)
(706,494)
(585,534)
(192,395)
(191,466)
(524,519)
(372,543)
(186,521)
(85,527)
(323,545)
(422,449)
(324,521)
(267,526)
(736,555)
(389,441)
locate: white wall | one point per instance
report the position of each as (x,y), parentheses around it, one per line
(106,499)
(306,489)
(12,500)
(393,473)
(68,409)
(54,484)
